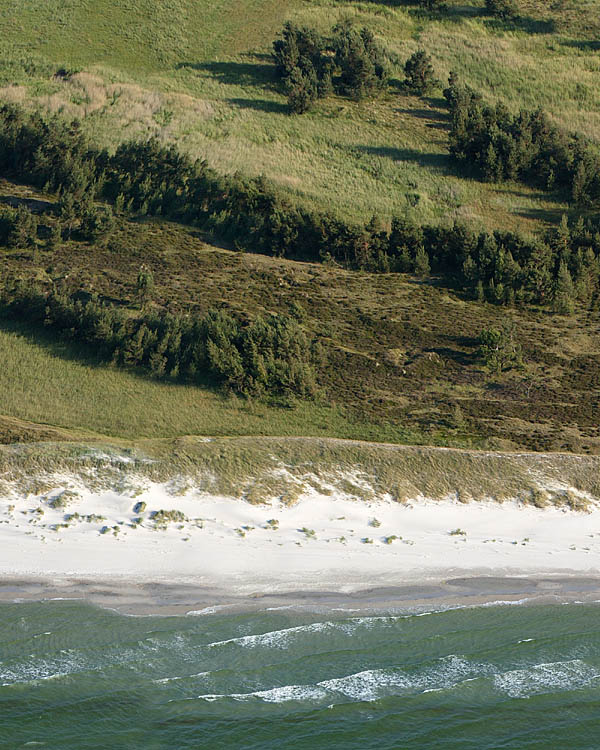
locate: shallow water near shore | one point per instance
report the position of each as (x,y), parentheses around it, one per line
(73,675)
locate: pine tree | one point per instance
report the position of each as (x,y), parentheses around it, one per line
(432,4)
(302,91)
(420,76)
(564,291)
(54,237)
(579,186)
(422,266)
(67,211)
(24,230)
(144,287)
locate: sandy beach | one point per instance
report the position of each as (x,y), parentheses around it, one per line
(152,548)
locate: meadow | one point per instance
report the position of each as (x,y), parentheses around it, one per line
(399,356)
(201,74)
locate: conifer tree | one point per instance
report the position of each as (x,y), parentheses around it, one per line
(144,287)
(422,265)
(564,291)
(420,76)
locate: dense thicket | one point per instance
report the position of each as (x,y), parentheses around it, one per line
(311,66)
(526,147)
(271,355)
(148,178)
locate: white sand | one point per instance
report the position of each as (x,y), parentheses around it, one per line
(227,542)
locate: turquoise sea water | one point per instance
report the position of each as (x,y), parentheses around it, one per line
(76,676)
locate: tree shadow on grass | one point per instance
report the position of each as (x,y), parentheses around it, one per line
(456,355)
(550,216)
(522,23)
(437,162)
(261,105)
(585,45)
(237,73)
(35,205)
(423,113)
(88,354)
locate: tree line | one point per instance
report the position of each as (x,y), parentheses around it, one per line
(271,355)
(524,147)
(143,178)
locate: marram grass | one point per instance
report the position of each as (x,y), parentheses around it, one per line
(266,469)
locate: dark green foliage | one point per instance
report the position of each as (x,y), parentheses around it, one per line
(420,76)
(499,349)
(433,4)
(502,267)
(269,356)
(97,222)
(8,217)
(144,286)
(504,9)
(23,233)
(67,211)
(564,291)
(524,147)
(54,237)
(302,90)
(360,61)
(422,266)
(300,47)
(349,62)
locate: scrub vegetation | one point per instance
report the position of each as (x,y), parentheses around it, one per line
(348,219)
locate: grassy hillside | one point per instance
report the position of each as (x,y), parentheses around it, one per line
(400,355)
(200,73)
(400,358)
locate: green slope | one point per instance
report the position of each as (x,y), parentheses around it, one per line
(199,73)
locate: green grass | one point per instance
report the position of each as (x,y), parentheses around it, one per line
(200,73)
(400,356)
(50,383)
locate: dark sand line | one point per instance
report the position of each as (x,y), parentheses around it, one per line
(172,598)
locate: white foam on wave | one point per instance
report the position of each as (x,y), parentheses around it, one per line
(370,684)
(208,610)
(281,638)
(375,683)
(273,695)
(449,672)
(504,602)
(43,669)
(546,678)
(165,680)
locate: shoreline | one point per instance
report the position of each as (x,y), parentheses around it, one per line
(153,598)
(153,534)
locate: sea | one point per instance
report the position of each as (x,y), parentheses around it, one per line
(503,676)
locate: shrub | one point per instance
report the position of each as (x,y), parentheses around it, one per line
(420,76)
(504,9)
(499,349)
(302,90)
(349,62)
(166,516)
